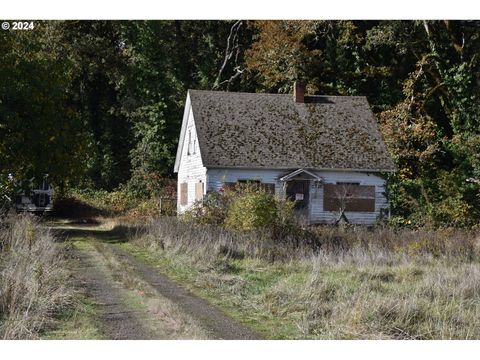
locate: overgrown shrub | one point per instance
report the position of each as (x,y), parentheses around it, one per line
(151,185)
(122,201)
(444,199)
(112,202)
(251,208)
(211,210)
(34,281)
(244,207)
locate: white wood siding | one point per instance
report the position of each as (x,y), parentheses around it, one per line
(191,169)
(217,177)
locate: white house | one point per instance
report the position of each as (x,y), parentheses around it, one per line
(324,152)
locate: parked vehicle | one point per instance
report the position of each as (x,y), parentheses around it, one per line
(38,199)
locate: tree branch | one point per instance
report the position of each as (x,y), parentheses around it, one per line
(232,49)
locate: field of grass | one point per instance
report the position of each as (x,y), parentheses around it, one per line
(339,283)
(35,290)
(360,284)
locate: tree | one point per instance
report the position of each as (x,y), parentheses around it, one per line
(40,131)
(166,58)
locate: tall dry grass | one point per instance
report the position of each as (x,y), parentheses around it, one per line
(34,284)
(353,283)
(391,302)
(327,244)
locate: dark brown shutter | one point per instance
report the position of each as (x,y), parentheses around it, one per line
(183,194)
(354,198)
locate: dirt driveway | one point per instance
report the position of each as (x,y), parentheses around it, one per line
(134,300)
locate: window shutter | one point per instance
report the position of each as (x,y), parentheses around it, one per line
(183,194)
(199,191)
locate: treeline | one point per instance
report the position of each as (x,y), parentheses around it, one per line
(98,104)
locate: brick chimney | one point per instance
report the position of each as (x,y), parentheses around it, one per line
(299,92)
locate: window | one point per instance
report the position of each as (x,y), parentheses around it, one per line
(269,187)
(349,197)
(189,141)
(199,191)
(194,145)
(183,194)
(249,181)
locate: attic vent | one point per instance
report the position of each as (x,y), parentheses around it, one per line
(299,92)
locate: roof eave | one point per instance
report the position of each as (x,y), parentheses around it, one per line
(296,167)
(181,139)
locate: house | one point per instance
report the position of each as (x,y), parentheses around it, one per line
(325,153)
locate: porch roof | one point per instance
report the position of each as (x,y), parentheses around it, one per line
(301,174)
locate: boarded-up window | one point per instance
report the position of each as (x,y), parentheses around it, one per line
(349,197)
(199,191)
(183,194)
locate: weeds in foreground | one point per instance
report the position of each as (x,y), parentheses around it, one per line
(34,285)
(328,244)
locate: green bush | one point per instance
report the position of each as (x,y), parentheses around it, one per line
(121,201)
(251,208)
(244,207)
(116,201)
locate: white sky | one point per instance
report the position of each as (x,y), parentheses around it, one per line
(239,9)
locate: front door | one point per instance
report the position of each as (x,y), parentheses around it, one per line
(299,192)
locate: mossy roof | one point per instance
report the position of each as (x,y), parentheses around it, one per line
(252,130)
